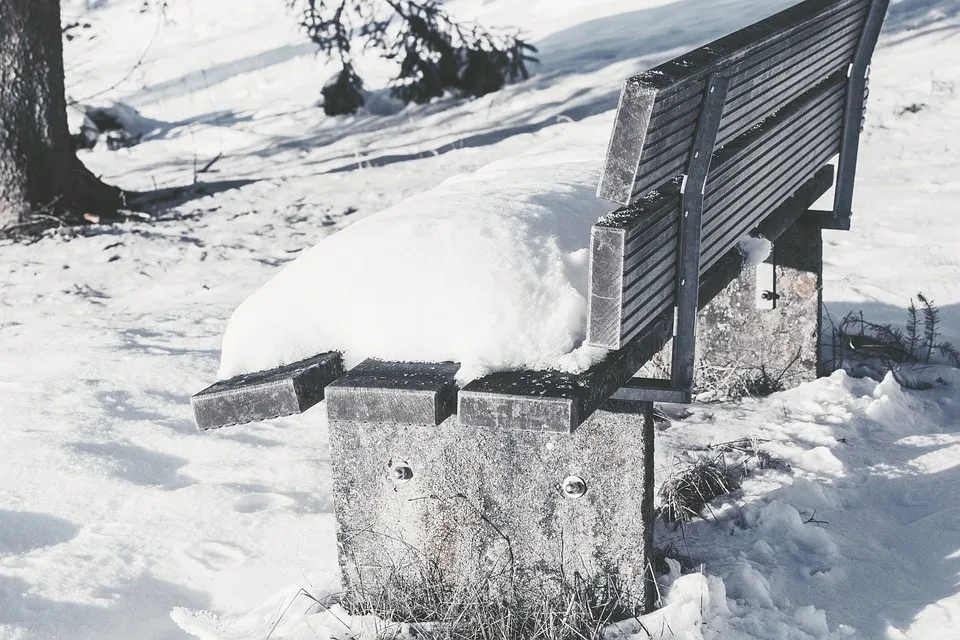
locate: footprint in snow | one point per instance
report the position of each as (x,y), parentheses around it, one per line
(25,531)
(217,555)
(256,502)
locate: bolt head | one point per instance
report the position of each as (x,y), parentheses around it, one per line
(573,487)
(401,473)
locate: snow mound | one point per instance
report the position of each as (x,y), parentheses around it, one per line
(488,269)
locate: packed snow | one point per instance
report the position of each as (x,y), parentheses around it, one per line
(488,269)
(119,520)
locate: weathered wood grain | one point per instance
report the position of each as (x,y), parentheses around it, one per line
(554,400)
(769,64)
(394,392)
(282,391)
(634,251)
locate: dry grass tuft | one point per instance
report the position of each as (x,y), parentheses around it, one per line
(688,490)
(432,608)
(716,471)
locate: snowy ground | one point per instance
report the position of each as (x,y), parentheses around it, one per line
(114,512)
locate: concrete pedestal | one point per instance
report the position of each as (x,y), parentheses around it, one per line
(738,342)
(489,513)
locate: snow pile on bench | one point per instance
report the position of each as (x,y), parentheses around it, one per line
(488,269)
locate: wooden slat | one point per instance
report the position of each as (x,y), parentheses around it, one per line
(769,64)
(553,400)
(730,163)
(656,146)
(673,117)
(765,201)
(750,177)
(650,288)
(559,402)
(716,278)
(394,392)
(282,391)
(730,200)
(742,113)
(661,292)
(732,160)
(667,162)
(737,194)
(623,234)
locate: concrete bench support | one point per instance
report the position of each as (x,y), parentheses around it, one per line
(783,341)
(509,515)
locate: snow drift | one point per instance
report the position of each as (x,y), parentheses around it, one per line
(488,269)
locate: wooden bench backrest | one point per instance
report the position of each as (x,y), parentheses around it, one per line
(781,122)
(768,63)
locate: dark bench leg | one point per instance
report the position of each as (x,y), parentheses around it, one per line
(428,514)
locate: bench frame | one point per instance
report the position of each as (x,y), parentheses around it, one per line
(679,388)
(556,401)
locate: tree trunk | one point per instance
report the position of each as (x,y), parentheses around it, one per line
(39,171)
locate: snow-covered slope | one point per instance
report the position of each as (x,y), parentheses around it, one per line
(114,512)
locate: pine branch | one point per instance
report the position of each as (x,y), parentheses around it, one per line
(948,351)
(931,324)
(434,51)
(912,337)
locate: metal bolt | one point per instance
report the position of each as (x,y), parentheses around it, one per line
(573,487)
(769,295)
(401,473)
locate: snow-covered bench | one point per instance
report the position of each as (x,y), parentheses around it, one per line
(727,139)
(516,300)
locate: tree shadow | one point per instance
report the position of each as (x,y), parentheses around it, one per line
(204,79)
(559,88)
(163,199)
(881,313)
(913,563)
(25,531)
(135,464)
(911,18)
(137,608)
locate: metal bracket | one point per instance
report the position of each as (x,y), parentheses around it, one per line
(767,296)
(853,111)
(691,219)
(652,390)
(679,387)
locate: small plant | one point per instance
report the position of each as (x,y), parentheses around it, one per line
(751,455)
(761,383)
(717,470)
(435,53)
(869,348)
(727,380)
(913,108)
(687,491)
(480,593)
